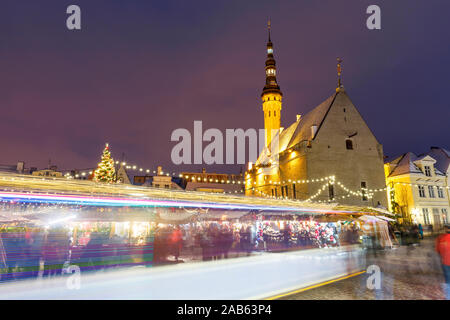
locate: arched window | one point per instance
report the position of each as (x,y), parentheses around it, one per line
(269,113)
(349,144)
(274,113)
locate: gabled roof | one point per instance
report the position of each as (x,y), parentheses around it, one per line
(405,164)
(314,117)
(301,129)
(442,157)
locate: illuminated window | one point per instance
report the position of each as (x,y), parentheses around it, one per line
(431,191)
(270,72)
(422,191)
(426,217)
(269,50)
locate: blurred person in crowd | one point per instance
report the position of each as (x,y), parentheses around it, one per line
(236,241)
(226,235)
(13,253)
(176,242)
(117,247)
(286,236)
(354,235)
(34,243)
(214,236)
(92,255)
(246,239)
(415,234)
(147,250)
(443,248)
(3,263)
(421,231)
(189,240)
(54,254)
(206,245)
(403,235)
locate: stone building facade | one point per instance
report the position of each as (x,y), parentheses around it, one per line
(329,154)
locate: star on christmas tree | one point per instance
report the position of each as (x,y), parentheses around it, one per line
(105,171)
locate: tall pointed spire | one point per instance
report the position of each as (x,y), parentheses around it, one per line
(339,72)
(271,80)
(271,95)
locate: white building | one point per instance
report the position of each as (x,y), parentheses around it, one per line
(418,190)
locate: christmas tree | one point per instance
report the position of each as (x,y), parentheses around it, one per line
(105,171)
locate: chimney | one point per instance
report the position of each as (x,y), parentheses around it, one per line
(203,170)
(313,131)
(298,117)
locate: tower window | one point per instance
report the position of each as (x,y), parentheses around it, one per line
(274,113)
(349,144)
(270,72)
(269,113)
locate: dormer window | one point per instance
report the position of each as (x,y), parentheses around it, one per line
(427,171)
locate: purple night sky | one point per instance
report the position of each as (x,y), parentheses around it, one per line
(140,69)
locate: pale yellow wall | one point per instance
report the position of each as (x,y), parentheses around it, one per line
(272,114)
(407,195)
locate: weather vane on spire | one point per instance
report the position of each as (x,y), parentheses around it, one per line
(339,72)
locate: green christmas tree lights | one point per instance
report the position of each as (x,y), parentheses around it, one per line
(105,171)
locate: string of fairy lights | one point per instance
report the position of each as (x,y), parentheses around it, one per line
(193,177)
(198,177)
(330,180)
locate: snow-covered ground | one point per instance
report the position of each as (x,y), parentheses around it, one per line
(254,277)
